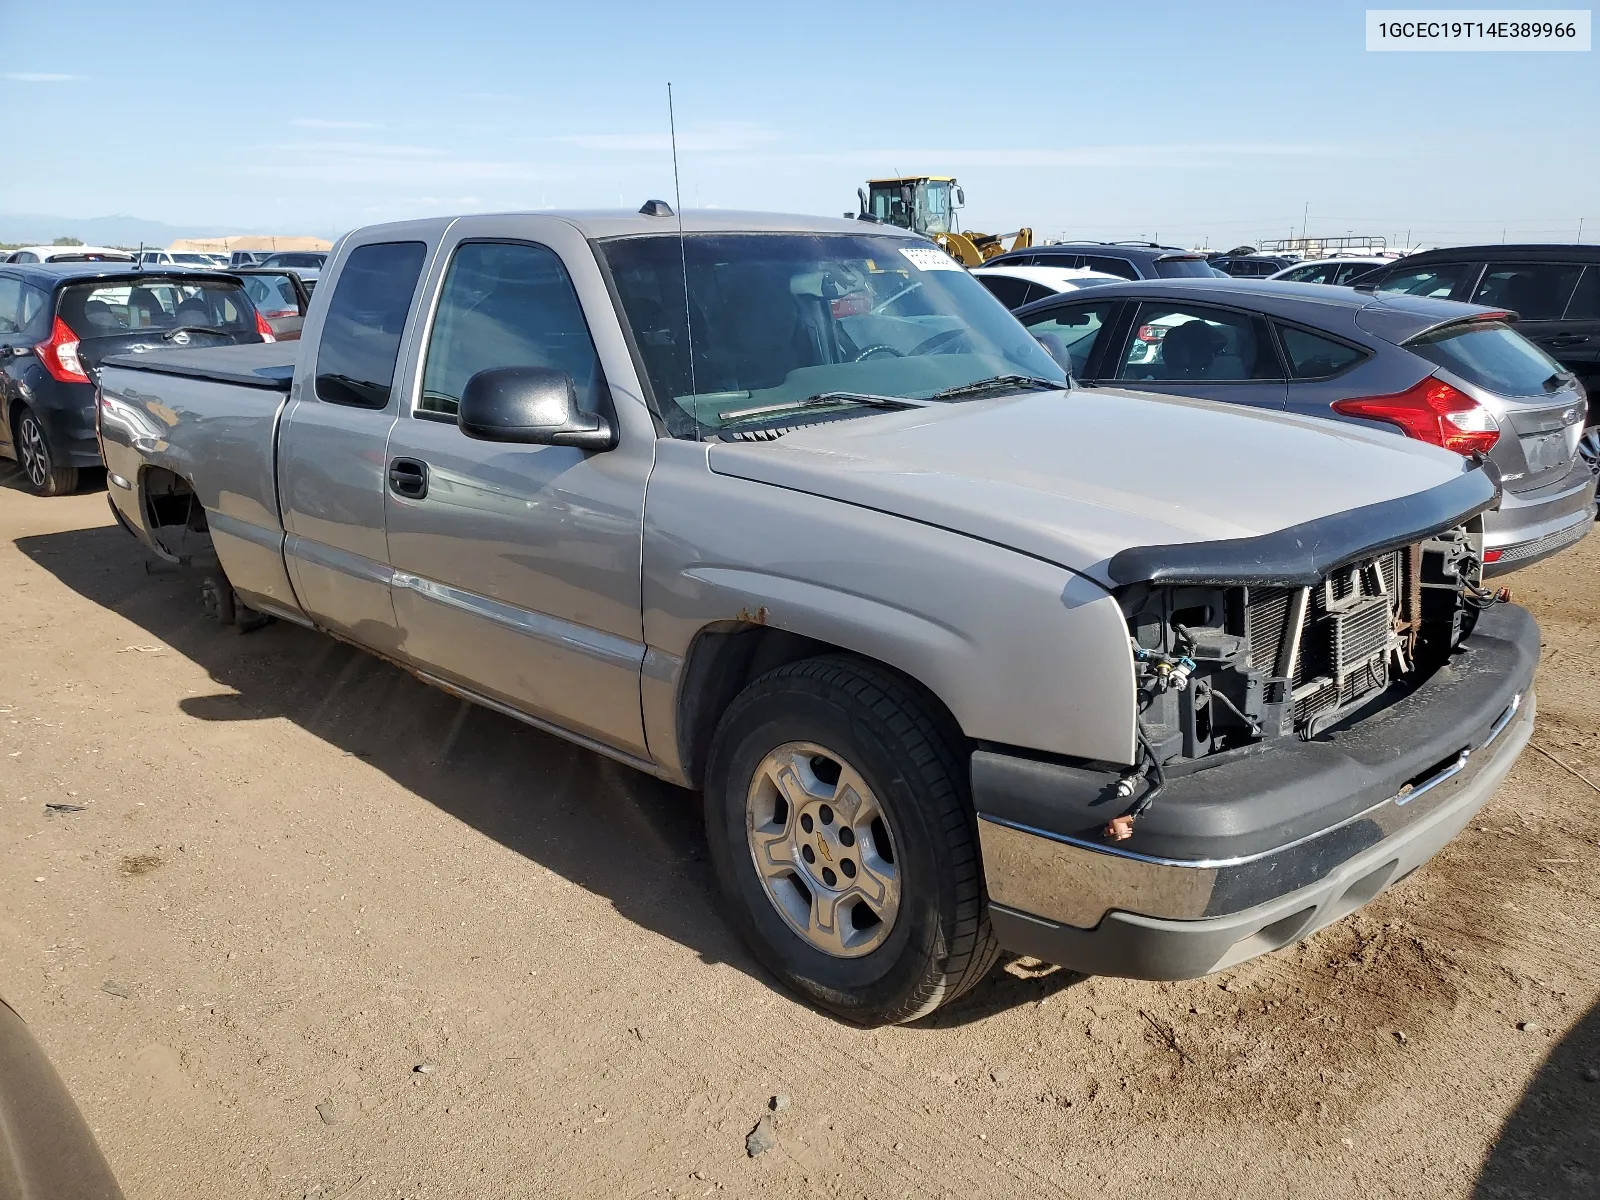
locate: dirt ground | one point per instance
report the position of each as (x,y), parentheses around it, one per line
(298,875)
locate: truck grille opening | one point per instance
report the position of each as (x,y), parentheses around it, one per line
(1225,665)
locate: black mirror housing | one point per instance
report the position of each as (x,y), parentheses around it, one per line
(535,406)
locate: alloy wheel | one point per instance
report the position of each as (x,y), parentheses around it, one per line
(823,849)
(1589,451)
(35,454)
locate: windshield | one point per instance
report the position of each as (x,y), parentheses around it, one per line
(1185,267)
(780,318)
(94,310)
(1493,356)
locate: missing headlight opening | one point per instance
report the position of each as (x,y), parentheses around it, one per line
(1222,669)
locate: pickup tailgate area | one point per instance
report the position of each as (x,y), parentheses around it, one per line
(207,418)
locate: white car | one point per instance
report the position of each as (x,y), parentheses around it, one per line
(1330,270)
(182,258)
(44,254)
(1016,286)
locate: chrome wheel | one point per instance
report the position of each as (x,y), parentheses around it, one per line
(34,453)
(823,849)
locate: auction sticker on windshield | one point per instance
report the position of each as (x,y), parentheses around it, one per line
(927,258)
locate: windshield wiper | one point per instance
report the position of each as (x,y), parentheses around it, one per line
(998,381)
(822,400)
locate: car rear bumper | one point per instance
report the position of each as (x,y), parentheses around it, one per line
(1528,528)
(66,411)
(1251,855)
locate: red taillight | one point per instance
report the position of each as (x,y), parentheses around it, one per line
(60,355)
(263,328)
(1433,412)
(1490,556)
(1152,333)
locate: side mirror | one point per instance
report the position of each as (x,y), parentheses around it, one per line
(531,405)
(861,195)
(961,197)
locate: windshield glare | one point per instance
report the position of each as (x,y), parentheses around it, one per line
(777,318)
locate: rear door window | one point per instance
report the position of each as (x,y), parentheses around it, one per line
(1534,291)
(1312,356)
(1011,292)
(361,331)
(1491,355)
(10,304)
(1348,271)
(1585,302)
(1437,281)
(1057,260)
(1070,333)
(507,304)
(1197,343)
(1111,266)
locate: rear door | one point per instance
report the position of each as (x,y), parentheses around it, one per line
(1213,353)
(10,340)
(1575,343)
(332,468)
(517,567)
(1557,305)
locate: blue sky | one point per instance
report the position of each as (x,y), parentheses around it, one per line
(1192,122)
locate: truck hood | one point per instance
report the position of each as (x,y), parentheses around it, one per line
(1076,477)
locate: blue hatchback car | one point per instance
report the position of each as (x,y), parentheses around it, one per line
(59,320)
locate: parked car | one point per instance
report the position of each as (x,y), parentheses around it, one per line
(1337,271)
(1127,260)
(280,296)
(1252,266)
(1457,376)
(1553,289)
(1016,286)
(312,260)
(961,659)
(48,1150)
(246,258)
(57,321)
(45,254)
(180,258)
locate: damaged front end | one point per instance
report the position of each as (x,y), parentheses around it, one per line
(1238,643)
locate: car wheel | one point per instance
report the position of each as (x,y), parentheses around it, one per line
(1589,451)
(44,478)
(840,826)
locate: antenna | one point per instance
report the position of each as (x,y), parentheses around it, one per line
(683,261)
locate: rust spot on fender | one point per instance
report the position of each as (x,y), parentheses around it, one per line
(759,617)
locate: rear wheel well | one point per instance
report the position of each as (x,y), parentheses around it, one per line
(726,658)
(175,517)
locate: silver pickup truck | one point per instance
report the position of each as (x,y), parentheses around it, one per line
(792,511)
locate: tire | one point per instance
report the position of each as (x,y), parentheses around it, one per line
(39,470)
(912,930)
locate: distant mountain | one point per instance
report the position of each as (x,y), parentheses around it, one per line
(39,229)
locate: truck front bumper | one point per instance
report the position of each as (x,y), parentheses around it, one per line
(1252,854)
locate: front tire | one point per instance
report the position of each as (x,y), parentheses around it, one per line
(839,823)
(39,469)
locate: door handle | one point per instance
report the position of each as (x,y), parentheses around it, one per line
(408,478)
(1567,339)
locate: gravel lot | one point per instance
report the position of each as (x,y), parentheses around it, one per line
(298,875)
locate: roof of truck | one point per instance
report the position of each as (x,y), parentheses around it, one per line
(621,222)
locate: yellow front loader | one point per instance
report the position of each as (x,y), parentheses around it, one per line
(928,204)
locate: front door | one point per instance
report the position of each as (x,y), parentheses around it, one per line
(517,567)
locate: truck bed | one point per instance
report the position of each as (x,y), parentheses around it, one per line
(267,365)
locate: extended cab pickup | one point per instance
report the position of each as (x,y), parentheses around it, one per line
(793,511)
